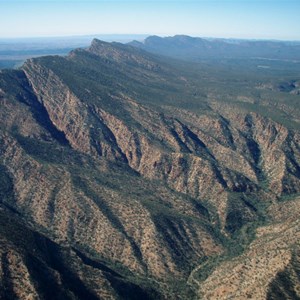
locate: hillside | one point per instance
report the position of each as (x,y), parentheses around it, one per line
(127,175)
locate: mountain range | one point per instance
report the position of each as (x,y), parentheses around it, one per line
(197,49)
(129,174)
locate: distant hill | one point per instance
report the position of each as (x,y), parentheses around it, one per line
(196,49)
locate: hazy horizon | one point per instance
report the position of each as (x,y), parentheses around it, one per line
(124,38)
(237,19)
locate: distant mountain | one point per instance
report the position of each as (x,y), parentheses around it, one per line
(127,175)
(195,49)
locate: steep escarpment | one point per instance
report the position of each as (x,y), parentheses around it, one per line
(101,209)
(206,158)
(131,194)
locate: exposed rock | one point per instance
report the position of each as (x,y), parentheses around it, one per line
(133,199)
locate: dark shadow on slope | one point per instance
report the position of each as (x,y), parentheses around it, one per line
(286,284)
(61,262)
(106,210)
(124,288)
(7,289)
(16,84)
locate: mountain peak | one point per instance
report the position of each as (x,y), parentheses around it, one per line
(99,43)
(100,48)
(120,53)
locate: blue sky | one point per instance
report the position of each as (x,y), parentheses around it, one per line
(268,19)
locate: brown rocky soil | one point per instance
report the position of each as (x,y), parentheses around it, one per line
(122,199)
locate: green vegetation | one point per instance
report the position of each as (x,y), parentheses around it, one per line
(181,166)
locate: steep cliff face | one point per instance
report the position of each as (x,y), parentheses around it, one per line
(129,194)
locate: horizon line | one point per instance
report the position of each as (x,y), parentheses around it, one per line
(145,35)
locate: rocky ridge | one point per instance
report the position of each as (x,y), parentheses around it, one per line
(136,194)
